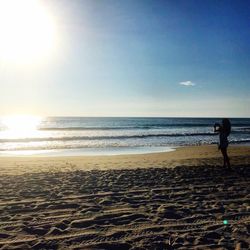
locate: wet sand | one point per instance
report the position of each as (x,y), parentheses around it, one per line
(175,200)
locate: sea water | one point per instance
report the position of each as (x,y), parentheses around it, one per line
(107,136)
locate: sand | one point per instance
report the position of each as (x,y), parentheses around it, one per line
(176,200)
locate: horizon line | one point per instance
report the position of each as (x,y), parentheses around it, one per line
(87,116)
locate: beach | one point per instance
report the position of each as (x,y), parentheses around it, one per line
(176,200)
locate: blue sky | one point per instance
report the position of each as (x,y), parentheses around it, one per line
(128,58)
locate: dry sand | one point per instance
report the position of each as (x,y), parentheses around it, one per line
(175,200)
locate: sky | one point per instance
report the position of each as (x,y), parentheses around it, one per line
(137,58)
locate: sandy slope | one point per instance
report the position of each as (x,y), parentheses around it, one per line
(54,204)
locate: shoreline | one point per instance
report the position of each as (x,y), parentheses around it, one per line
(182,156)
(104,151)
(115,151)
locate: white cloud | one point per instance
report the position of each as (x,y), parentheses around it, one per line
(187,83)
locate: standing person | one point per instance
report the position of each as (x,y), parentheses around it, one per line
(224,130)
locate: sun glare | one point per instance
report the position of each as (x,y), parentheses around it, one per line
(27,31)
(21,126)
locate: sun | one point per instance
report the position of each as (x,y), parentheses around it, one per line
(18,126)
(27,31)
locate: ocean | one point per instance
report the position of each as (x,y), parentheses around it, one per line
(99,135)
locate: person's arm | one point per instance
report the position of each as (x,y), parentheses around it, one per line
(217,127)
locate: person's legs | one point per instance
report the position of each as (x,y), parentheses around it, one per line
(225,158)
(228,160)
